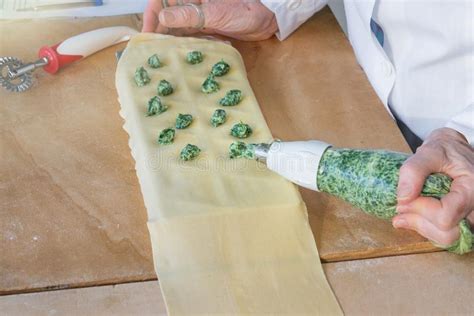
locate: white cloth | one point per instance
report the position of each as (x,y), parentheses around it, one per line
(425,70)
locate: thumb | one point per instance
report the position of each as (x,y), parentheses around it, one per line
(413,174)
(190,16)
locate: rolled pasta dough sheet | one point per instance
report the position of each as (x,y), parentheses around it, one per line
(228,236)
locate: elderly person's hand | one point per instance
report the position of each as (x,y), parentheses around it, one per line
(245,20)
(445,151)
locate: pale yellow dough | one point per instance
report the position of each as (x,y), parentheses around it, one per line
(228,236)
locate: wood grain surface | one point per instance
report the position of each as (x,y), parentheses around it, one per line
(71,211)
(71,208)
(422,284)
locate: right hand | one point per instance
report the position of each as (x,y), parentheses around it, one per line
(446,151)
(244,20)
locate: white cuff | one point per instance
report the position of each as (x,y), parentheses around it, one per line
(464,123)
(290,14)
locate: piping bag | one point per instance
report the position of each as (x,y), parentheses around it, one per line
(367,179)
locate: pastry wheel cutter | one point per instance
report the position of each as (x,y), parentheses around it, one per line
(17,76)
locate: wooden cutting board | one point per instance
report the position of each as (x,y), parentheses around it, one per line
(363,287)
(71,207)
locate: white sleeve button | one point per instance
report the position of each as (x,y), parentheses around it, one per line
(293,4)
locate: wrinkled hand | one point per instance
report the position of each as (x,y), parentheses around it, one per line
(244,20)
(445,151)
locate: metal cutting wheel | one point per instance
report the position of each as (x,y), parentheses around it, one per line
(15,84)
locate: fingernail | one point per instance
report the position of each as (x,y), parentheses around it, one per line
(168,17)
(404,192)
(402,209)
(400,223)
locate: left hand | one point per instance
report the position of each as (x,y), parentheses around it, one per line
(445,151)
(244,20)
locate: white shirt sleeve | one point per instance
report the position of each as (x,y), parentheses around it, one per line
(464,123)
(290,14)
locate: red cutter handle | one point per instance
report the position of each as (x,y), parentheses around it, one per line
(83,45)
(56,60)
